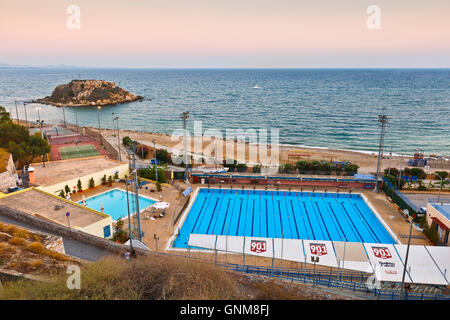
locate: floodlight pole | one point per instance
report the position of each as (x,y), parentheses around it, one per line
(184,117)
(64,116)
(17,112)
(118,136)
(383,119)
(138,213)
(129,218)
(76,118)
(402,292)
(40,123)
(156,168)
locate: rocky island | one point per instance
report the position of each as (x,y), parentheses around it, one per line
(82,93)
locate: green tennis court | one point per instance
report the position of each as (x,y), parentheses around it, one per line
(82,151)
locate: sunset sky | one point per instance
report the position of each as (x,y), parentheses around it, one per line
(226,33)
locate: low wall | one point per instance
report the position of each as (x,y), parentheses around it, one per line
(55,189)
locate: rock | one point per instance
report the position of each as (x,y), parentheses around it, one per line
(78,93)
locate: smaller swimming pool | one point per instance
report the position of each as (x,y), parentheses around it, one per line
(115,203)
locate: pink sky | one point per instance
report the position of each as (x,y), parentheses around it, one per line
(219,33)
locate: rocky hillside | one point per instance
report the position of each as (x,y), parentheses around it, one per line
(79,93)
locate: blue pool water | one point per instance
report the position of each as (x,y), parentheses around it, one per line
(115,203)
(283,214)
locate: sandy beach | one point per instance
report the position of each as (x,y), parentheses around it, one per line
(367,161)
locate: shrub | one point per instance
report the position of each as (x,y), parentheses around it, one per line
(127,141)
(421,186)
(302,165)
(21,233)
(79,185)
(241,167)
(288,167)
(116,175)
(417,172)
(35,264)
(104,179)
(149,173)
(91,183)
(16,241)
(36,247)
(164,156)
(110,181)
(443,174)
(142,151)
(351,168)
(257,169)
(158,186)
(62,194)
(67,189)
(392,171)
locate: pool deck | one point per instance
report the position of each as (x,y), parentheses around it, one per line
(35,202)
(64,170)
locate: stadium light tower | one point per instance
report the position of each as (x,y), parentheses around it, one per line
(383,119)
(184,117)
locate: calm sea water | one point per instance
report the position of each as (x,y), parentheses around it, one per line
(335,108)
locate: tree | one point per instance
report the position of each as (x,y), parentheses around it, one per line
(25,151)
(127,141)
(67,189)
(351,168)
(302,165)
(91,183)
(149,173)
(110,181)
(163,156)
(79,185)
(241,167)
(12,132)
(4,115)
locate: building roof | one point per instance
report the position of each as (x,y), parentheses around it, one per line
(45,205)
(444,209)
(60,171)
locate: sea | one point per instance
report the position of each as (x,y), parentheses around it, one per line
(324,108)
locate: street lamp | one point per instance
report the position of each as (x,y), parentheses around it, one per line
(440,186)
(118,135)
(383,119)
(38,109)
(25,109)
(99,130)
(184,117)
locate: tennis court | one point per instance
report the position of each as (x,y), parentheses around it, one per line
(81,151)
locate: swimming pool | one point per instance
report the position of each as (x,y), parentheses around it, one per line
(283,214)
(115,203)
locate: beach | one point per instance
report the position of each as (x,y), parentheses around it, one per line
(367,161)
